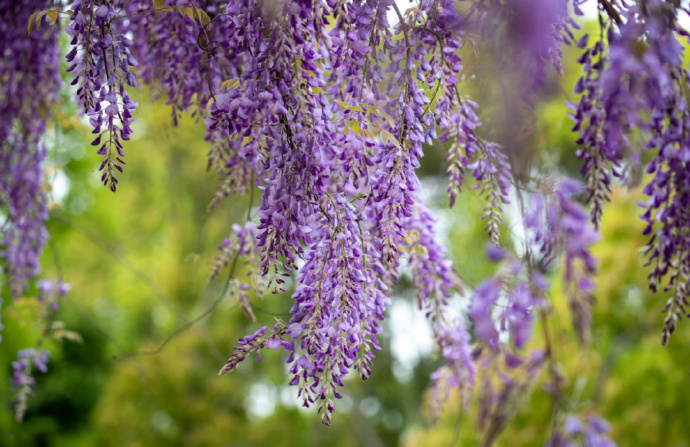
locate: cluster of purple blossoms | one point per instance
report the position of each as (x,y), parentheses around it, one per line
(181,54)
(590,431)
(340,206)
(638,89)
(23,381)
(559,226)
(326,107)
(488,164)
(29,70)
(598,165)
(530,32)
(102,64)
(49,294)
(506,302)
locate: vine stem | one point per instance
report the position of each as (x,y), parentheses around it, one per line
(553,371)
(191,323)
(544,320)
(611,11)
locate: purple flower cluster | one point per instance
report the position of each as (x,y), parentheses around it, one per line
(590,431)
(102,65)
(29,69)
(339,202)
(180,55)
(21,369)
(326,107)
(506,303)
(639,88)
(488,164)
(23,381)
(243,243)
(49,294)
(599,163)
(531,32)
(559,226)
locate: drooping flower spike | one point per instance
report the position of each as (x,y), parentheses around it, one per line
(327,107)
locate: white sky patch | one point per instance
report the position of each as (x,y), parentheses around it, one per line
(411,337)
(261,400)
(60,185)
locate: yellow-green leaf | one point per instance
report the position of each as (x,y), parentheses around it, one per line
(349,107)
(387,117)
(231,84)
(373,109)
(197,13)
(389,137)
(353,126)
(39,17)
(32,18)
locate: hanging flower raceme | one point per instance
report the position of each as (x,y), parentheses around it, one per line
(531,32)
(327,107)
(599,164)
(506,303)
(560,227)
(102,63)
(590,431)
(341,207)
(178,45)
(29,70)
(23,381)
(639,88)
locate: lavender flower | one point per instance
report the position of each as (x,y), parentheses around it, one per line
(559,226)
(102,65)
(180,56)
(343,204)
(505,302)
(326,108)
(590,431)
(29,69)
(23,381)
(459,369)
(640,85)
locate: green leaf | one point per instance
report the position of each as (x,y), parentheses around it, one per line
(389,119)
(195,13)
(388,137)
(349,107)
(32,18)
(231,84)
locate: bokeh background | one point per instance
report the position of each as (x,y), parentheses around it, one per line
(139,260)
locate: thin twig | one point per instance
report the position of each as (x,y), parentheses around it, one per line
(611,11)
(114,252)
(191,323)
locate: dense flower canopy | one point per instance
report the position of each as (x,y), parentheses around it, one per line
(327,108)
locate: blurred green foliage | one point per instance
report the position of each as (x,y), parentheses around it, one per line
(138,262)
